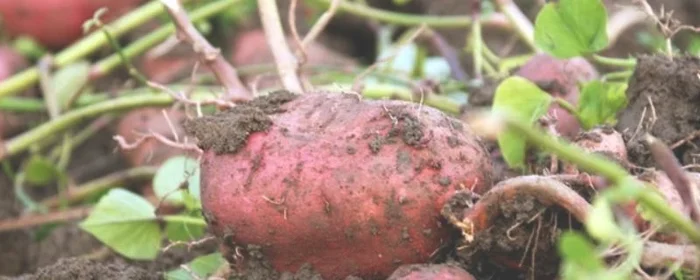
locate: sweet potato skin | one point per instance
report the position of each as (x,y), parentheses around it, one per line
(316,188)
(430,272)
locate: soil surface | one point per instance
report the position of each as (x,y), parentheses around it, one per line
(83,269)
(664,100)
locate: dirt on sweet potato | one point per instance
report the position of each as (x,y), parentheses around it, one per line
(228,131)
(309,172)
(663,96)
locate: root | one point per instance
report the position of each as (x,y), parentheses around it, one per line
(546,190)
(189,245)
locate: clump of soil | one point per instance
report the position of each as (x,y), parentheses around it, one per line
(664,100)
(252,265)
(520,241)
(81,268)
(405,126)
(227,131)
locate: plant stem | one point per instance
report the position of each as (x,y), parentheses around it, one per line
(20,143)
(184,219)
(82,136)
(495,20)
(82,48)
(42,219)
(102,184)
(122,56)
(522,25)
(615,62)
(144,43)
(21,104)
(385,91)
(287,64)
(617,175)
(477,47)
(622,75)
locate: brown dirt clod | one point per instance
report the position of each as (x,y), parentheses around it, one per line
(227,131)
(663,99)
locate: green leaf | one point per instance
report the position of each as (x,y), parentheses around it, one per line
(694,45)
(69,80)
(183,232)
(600,102)
(126,223)
(436,68)
(202,266)
(572,28)
(40,171)
(520,98)
(175,173)
(600,223)
(401,2)
(575,248)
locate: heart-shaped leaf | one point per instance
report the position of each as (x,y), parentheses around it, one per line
(600,102)
(202,267)
(40,171)
(126,223)
(523,99)
(572,28)
(69,81)
(175,175)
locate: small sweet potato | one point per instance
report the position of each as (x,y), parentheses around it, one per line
(560,78)
(56,23)
(605,141)
(352,187)
(140,122)
(430,272)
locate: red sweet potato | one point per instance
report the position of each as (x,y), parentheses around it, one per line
(430,272)
(351,187)
(606,141)
(560,78)
(55,23)
(139,122)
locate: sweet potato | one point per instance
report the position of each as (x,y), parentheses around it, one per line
(140,122)
(560,78)
(352,187)
(605,141)
(430,272)
(56,23)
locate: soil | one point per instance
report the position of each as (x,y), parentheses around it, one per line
(663,101)
(227,131)
(519,227)
(405,126)
(84,269)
